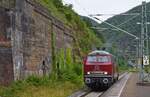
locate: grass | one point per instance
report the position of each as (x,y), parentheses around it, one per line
(40,87)
(1,89)
(123,68)
(58,90)
(134,69)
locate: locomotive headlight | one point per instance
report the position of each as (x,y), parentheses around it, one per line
(88,72)
(106,73)
(87,80)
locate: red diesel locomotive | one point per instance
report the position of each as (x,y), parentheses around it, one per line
(100,69)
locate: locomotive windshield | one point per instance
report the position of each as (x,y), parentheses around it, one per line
(101,59)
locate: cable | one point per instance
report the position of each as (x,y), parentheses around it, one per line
(125,14)
(116,27)
(127,20)
(111,24)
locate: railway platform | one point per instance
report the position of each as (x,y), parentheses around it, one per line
(126,86)
(131,89)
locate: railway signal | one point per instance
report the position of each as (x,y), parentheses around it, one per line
(145,60)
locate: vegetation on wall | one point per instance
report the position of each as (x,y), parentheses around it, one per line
(85,37)
(65,69)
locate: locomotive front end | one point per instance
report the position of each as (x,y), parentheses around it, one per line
(98,70)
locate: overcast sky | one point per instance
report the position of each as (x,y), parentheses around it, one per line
(86,7)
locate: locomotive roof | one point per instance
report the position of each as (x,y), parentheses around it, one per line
(99,52)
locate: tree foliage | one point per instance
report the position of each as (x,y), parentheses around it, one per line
(85,37)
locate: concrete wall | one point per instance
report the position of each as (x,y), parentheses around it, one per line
(6,63)
(36,40)
(8,4)
(39,24)
(6,67)
(27,47)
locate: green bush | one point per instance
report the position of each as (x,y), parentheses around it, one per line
(78,69)
(123,66)
(34,80)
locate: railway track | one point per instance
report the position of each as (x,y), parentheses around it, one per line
(89,93)
(93,94)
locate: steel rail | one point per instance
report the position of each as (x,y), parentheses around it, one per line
(85,92)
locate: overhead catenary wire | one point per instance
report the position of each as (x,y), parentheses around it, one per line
(109,23)
(116,27)
(122,14)
(103,29)
(128,20)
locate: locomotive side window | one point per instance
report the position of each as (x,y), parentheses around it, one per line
(101,59)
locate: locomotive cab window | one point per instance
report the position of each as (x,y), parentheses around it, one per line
(101,59)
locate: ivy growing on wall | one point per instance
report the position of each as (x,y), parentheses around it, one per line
(85,38)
